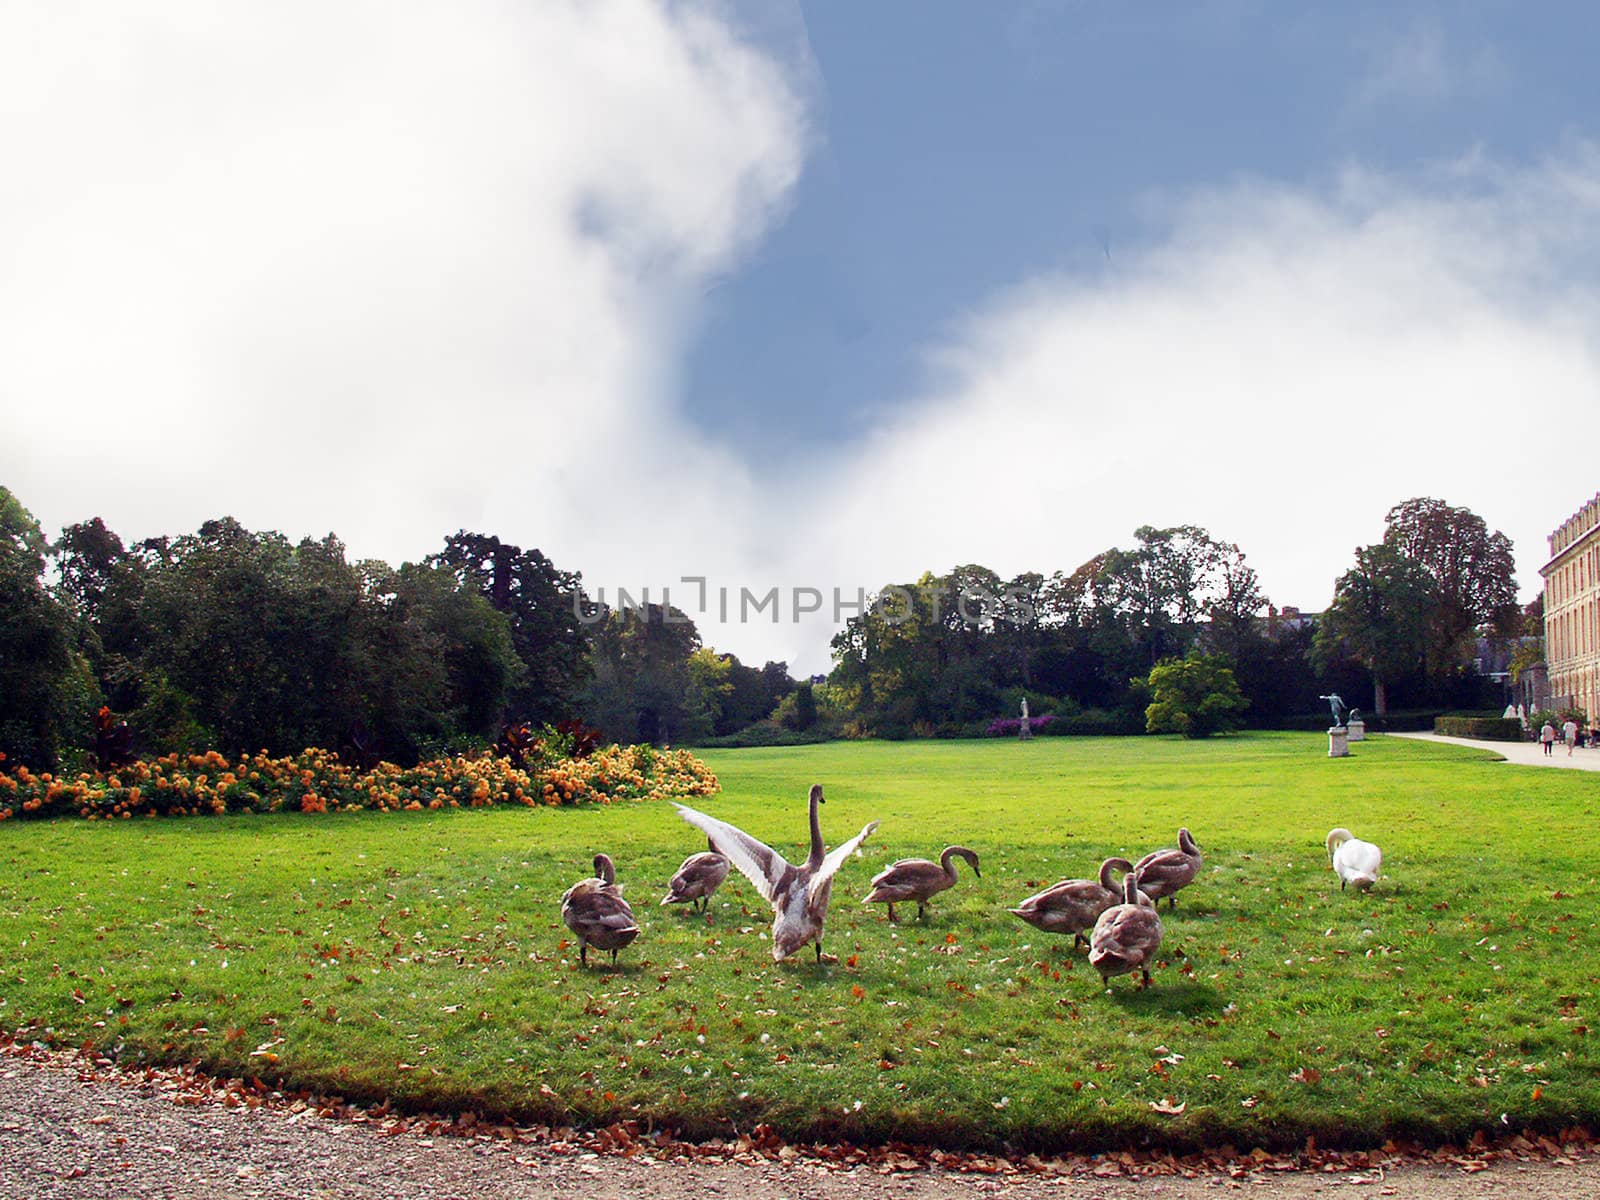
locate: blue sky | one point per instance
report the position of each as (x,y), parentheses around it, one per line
(812,297)
(961,148)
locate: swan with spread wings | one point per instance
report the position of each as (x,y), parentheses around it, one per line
(798,894)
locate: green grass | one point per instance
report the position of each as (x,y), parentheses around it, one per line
(422,956)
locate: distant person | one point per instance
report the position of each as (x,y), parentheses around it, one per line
(1569,734)
(1547,738)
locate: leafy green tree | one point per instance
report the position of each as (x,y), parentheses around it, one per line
(1195,696)
(47,691)
(711,677)
(257,643)
(454,664)
(542,603)
(1471,569)
(641,689)
(1379,617)
(805,707)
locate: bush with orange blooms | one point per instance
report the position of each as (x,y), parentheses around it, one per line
(316,781)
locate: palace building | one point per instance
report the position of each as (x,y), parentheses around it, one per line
(1572,611)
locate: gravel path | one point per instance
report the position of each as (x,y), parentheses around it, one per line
(71,1132)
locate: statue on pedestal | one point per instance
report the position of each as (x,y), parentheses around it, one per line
(1025,727)
(1337,704)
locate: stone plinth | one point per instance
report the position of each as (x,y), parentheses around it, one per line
(1338,742)
(1358,731)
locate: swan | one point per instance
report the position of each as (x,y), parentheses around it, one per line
(596,912)
(798,894)
(698,878)
(1354,861)
(1126,937)
(918,879)
(1164,872)
(1073,905)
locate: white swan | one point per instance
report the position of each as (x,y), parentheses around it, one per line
(1354,861)
(798,895)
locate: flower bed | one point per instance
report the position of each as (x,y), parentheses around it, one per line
(317,781)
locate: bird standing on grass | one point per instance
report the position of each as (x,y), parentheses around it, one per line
(798,894)
(1126,937)
(918,879)
(1354,861)
(1163,873)
(1074,905)
(697,879)
(596,912)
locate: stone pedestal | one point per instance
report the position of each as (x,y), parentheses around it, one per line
(1024,729)
(1338,742)
(1358,731)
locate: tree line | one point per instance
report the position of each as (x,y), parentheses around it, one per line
(243,640)
(1081,646)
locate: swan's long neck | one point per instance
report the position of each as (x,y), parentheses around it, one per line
(1130,888)
(1186,843)
(1110,865)
(712,846)
(815,860)
(1338,838)
(951,852)
(604,870)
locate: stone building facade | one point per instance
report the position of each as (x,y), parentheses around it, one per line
(1572,611)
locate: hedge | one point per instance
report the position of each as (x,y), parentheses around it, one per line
(1404,721)
(1494,729)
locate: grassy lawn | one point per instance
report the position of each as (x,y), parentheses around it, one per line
(422,956)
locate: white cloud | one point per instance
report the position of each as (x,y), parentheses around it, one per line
(386,269)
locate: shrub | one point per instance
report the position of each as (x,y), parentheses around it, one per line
(1096,722)
(765,733)
(1496,729)
(1195,696)
(1542,717)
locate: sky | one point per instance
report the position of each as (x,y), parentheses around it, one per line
(813,297)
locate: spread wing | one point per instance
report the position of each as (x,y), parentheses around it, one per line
(759,863)
(831,864)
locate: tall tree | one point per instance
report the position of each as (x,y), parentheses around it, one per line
(47,691)
(1379,617)
(1472,573)
(642,688)
(543,603)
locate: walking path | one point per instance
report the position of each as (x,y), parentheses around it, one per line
(1526,754)
(67,1133)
